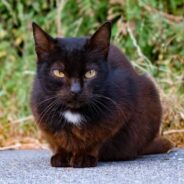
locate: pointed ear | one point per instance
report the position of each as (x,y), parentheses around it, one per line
(44,43)
(100,40)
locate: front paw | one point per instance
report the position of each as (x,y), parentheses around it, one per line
(60,160)
(79,161)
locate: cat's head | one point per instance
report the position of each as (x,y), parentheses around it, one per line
(72,69)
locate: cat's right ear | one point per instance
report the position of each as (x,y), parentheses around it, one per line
(44,43)
(100,40)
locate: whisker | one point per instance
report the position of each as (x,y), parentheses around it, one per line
(46,110)
(96,108)
(45,100)
(99,102)
(113,102)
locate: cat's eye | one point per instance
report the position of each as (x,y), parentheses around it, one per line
(90,74)
(58,73)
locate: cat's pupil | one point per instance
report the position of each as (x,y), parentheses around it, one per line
(90,74)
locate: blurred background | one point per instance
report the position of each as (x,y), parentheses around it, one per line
(150,33)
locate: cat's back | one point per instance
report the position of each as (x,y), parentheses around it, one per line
(117,60)
(140,87)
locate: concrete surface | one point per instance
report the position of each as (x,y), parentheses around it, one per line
(32,166)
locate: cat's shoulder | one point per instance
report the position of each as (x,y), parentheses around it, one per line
(117,59)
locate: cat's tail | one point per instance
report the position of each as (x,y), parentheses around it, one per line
(158,145)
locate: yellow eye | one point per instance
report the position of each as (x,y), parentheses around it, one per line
(90,74)
(58,73)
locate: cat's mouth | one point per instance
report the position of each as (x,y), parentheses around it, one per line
(75,104)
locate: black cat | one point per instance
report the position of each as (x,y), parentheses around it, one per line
(90,103)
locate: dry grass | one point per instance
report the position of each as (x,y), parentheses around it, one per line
(173,119)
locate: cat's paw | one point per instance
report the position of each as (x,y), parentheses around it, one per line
(59,160)
(80,161)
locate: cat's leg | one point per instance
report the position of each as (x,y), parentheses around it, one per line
(116,156)
(158,145)
(117,151)
(85,158)
(61,159)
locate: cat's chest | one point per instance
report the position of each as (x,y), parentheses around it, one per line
(75,118)
(73,132)
(72,138)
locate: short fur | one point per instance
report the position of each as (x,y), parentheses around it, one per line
(121,109)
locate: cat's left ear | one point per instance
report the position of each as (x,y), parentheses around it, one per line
(100,40)
(44,43)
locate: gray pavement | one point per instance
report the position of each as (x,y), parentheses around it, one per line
(32,166)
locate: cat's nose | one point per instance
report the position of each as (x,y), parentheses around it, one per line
(75,88)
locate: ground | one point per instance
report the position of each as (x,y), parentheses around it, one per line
(32,166)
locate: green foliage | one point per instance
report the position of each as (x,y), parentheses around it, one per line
(151,33)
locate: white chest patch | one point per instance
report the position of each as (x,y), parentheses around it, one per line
(73,117)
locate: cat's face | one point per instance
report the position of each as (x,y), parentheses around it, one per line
(72,69)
